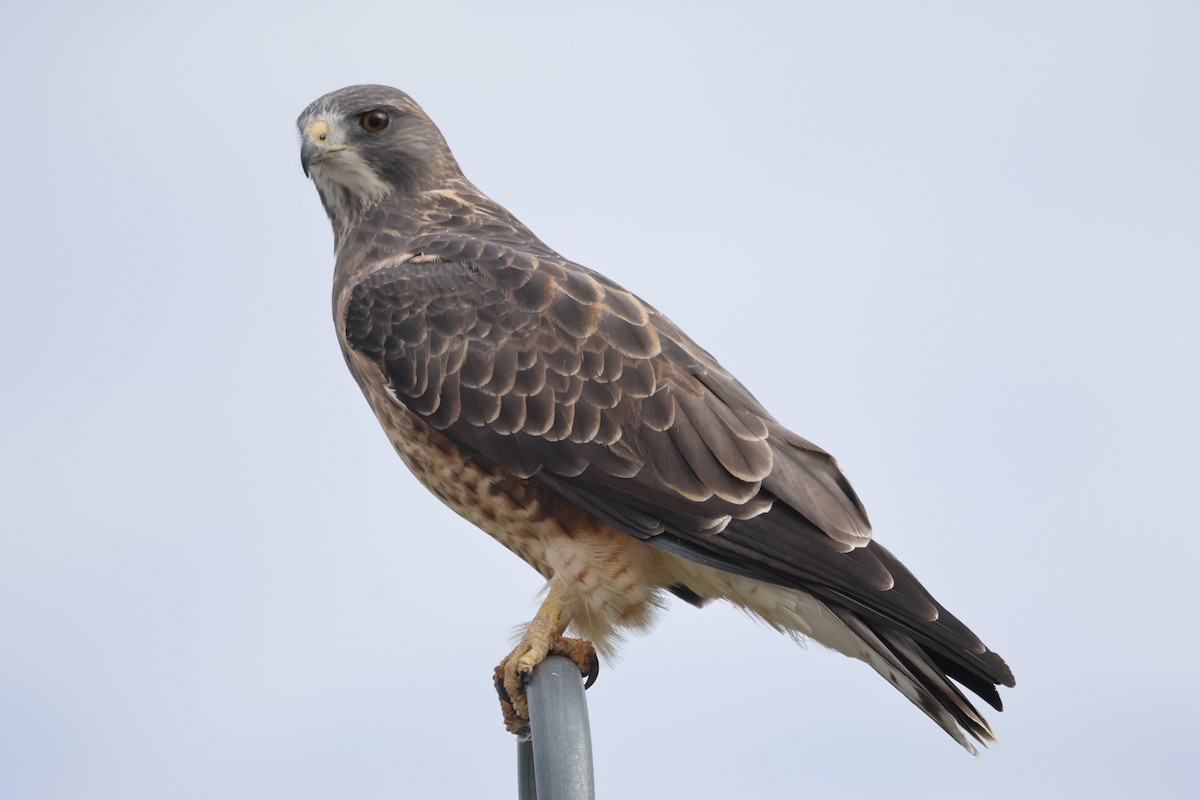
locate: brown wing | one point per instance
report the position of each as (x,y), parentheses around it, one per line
(545,368)
(554,373)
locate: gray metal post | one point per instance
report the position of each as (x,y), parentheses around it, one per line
(561,737)
(526,783)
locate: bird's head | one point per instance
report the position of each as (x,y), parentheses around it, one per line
(363,143)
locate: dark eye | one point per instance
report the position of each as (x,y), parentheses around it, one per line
(374,121)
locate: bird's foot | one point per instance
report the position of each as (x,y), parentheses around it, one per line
(510,675)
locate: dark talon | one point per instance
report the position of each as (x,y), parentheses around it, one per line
(593,670)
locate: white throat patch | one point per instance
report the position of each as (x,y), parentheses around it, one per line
(347,184)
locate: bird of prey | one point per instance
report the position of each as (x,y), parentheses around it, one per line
(587,433)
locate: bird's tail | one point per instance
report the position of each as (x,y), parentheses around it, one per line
(924,678)
(927,656)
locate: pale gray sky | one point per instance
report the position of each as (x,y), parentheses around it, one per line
(956,244)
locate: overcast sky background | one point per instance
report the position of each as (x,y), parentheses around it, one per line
(956,244)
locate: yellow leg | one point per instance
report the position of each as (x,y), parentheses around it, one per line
(543,636)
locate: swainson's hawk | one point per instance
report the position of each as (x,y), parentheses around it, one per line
(589,435)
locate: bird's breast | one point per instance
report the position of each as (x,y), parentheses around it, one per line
(611,578)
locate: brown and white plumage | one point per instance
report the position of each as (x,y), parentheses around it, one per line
(587,433)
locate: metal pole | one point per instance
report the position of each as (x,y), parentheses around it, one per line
(526,783)
(561,737)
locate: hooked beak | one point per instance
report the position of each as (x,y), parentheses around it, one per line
(317,145)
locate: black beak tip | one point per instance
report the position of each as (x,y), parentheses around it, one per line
(310,151)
